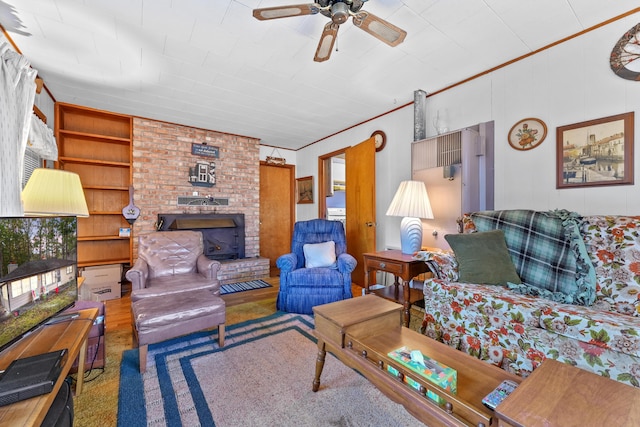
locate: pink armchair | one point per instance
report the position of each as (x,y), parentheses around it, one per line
(170,262)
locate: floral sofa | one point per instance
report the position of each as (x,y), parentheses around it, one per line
(593,325)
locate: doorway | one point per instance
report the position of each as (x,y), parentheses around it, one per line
(335,189)
(332,185)
(359,192)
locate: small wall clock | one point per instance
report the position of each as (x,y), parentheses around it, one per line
(380,139)
(625,56)
(527,134)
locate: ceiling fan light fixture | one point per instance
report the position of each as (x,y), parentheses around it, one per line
(339,13)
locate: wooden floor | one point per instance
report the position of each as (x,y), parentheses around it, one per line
(119,310)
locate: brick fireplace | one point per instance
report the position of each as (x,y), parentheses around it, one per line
(162,158)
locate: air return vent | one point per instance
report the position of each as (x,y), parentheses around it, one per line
(441,150)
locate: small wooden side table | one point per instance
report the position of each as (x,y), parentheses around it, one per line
(557,394)
(402,266)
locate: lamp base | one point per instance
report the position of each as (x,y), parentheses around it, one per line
(410,235)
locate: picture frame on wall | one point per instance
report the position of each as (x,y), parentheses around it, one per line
(596,152)
(304,190)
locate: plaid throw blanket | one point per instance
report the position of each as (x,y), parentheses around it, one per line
(547,251)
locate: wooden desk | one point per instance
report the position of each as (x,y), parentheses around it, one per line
(402,266)
(557,394)
(71,335)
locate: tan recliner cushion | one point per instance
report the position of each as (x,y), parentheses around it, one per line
(171,252)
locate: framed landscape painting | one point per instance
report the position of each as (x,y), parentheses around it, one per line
(304,189)
(596,152)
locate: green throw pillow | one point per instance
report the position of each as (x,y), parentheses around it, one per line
(483,258)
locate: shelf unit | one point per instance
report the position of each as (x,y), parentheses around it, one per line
(97,145)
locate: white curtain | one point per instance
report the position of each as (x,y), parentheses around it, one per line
(41,140)
(17,93)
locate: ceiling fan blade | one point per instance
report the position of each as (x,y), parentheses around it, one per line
(379,28)
(327,40)
(286,11)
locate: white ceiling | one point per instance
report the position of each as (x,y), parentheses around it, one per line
(210,64)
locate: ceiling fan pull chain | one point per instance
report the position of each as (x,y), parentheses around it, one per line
(336,43)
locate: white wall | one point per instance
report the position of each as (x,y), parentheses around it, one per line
(566,84)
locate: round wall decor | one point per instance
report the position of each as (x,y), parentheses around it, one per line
(625,56)
(380,139)
(527,134)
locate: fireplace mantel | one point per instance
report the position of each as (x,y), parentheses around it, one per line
(192,223)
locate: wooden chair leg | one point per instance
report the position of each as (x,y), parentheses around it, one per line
(143,358)
(135,338)
(221,335)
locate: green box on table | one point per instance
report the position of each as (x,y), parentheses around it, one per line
(434,371)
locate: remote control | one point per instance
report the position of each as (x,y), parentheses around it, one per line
(500,393)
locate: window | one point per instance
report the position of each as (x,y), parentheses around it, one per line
(47,278)
(22,286)
(31,161)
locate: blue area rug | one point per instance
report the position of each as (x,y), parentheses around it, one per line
(262,377)
(231,288)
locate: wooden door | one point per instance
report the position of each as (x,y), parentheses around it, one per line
(277,214)
(361,203)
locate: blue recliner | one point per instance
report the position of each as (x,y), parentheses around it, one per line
(320,277)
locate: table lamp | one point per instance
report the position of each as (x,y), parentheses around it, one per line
(411,201)
(52,192)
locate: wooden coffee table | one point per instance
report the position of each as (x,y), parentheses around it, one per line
(361,331)
(557,394)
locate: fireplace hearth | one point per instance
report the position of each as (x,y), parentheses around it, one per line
(223,234)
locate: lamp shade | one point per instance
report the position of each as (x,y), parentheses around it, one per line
(411,200)
(52,192)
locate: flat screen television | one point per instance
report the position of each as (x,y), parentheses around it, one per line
(38,272)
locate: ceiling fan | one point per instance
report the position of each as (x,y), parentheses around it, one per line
(339,11)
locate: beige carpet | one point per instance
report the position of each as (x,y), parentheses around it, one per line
(262,377)
(97,406)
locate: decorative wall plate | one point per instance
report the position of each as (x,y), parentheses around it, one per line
(527,134)
(625,56)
